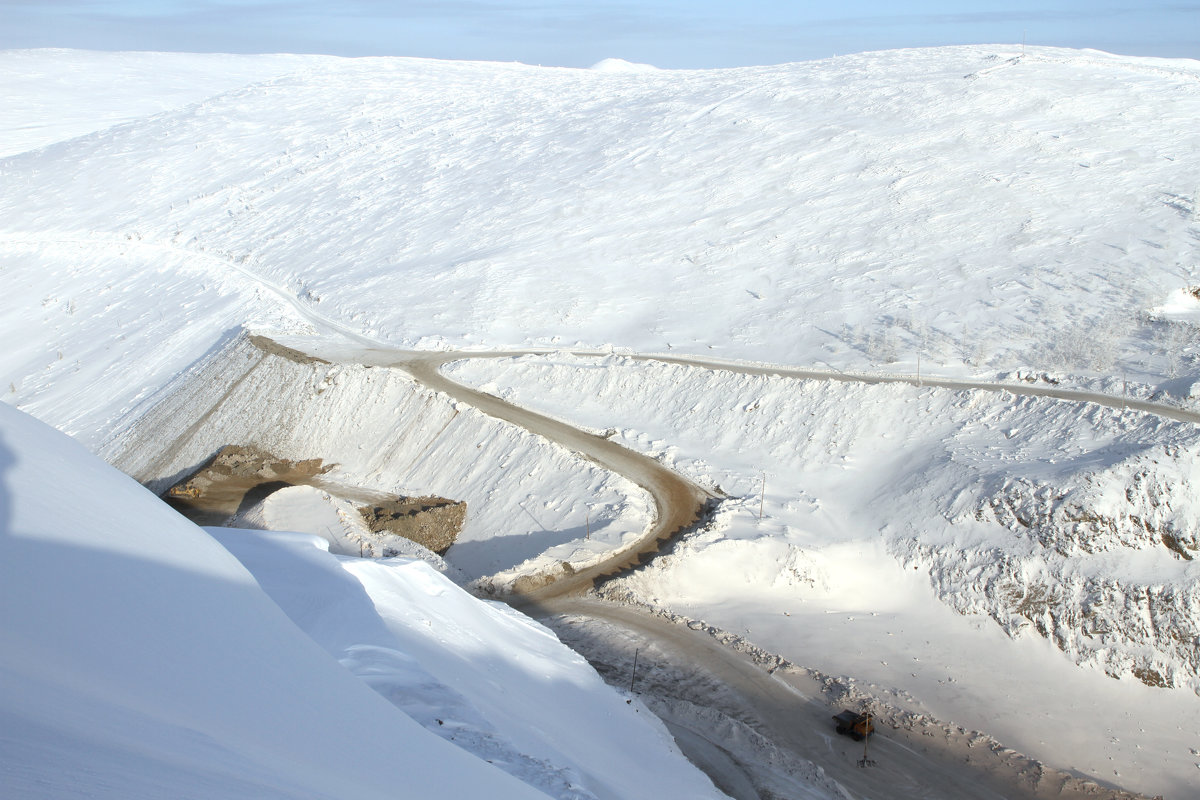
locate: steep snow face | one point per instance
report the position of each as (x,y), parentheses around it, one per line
(139,659)
(1075,521)
(971,206)
(477,674)
(901,535)
(381,432)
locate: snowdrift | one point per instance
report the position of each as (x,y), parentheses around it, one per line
(139,659)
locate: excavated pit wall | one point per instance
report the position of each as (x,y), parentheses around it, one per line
(385,433)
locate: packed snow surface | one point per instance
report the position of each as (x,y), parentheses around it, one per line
(973,211)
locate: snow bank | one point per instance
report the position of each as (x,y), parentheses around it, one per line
(337,521)
(527,500)
(906,533)
(477,674)
(621,65)
(139,659)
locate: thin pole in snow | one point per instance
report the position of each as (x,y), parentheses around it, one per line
(865,761)
(762,499)
(918,371)
(633,674)
(589,525)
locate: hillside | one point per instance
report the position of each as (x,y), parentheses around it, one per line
(974,212)
(976,208)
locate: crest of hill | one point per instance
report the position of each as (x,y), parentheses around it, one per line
(960,205)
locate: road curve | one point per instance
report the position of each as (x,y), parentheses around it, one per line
(795,719)
(678,502)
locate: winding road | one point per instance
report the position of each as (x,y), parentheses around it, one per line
(787,706)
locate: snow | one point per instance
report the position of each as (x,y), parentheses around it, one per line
(866,556)
(621,65)
(867,185)
(47,91)
(138,658)
(965,212)
(477,674)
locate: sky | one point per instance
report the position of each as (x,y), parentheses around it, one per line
(676,34)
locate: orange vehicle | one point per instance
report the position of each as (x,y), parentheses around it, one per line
(856,726)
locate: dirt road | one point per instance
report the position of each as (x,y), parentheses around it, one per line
(925,762)
(678,502)
(788,707)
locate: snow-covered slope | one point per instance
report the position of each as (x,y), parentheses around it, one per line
(968,205)
(53,95)
(139,659)
(476,674)
(899,535)
(961,210)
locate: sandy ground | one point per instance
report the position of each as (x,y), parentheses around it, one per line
(213,495)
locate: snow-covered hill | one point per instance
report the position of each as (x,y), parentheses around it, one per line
(899,535)
(139,659)
(965,211)
(972,206)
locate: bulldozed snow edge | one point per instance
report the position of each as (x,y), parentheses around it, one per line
(1071,521)
(531,505)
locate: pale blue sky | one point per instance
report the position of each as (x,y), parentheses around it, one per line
(666,33)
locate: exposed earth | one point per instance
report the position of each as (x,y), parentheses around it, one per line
(238,478)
